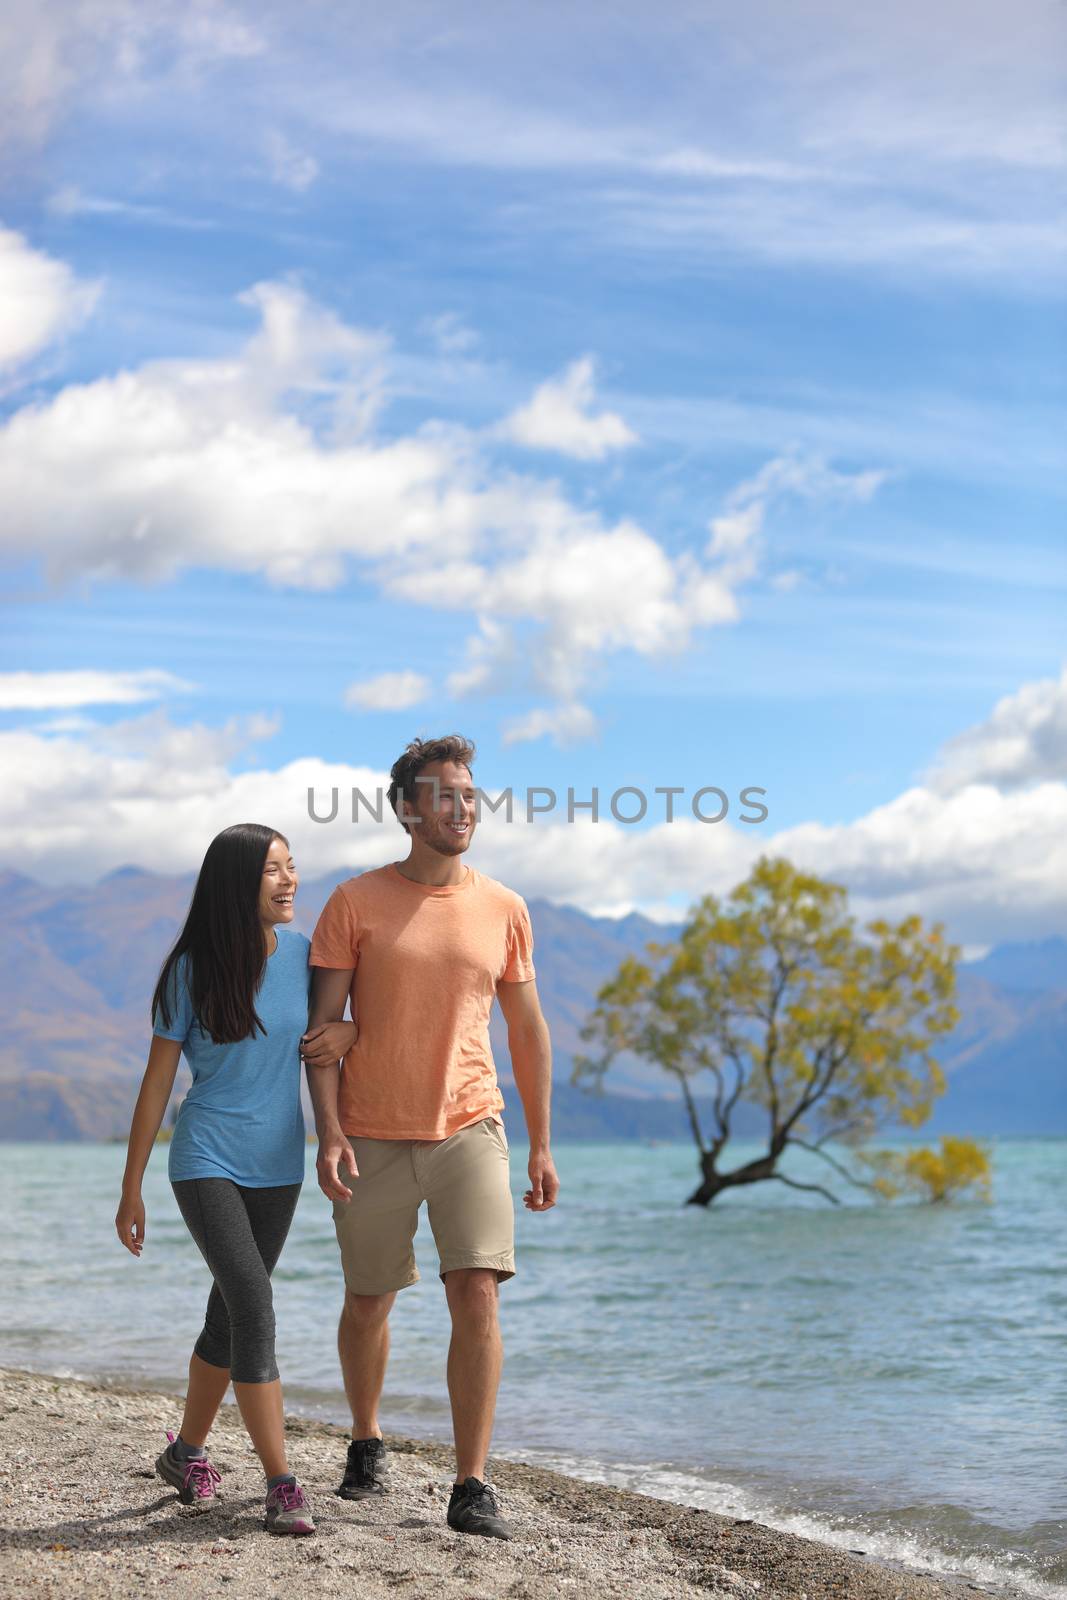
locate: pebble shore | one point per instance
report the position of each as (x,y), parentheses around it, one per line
(84,1515)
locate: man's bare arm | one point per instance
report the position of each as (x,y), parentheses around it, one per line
(329,995)
(531,1063)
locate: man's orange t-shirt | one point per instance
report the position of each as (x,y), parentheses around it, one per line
(427,962)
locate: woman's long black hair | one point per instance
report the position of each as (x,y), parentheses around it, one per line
(223,936)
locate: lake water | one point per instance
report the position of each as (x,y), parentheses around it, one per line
(891,1379)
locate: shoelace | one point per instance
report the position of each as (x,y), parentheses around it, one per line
(201,1477)
(484,1498)
(290,1496)
(367,1457)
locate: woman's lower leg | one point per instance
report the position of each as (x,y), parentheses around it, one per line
(260,1405)
(207,1387)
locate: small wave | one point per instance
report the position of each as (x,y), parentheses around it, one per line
(1009,1573)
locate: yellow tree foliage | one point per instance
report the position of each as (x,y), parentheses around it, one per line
(774,998)
(961,1166)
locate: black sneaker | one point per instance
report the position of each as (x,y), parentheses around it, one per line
(473,1509)
(366,1470)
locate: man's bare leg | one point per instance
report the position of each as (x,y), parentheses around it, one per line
(475,1359)
(363,1346)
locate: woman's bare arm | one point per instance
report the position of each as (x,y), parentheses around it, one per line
(148,1113)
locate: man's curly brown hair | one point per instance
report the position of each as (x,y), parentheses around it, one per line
(403,789)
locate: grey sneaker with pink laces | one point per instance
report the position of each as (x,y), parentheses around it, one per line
(195,1479)
(288,1510)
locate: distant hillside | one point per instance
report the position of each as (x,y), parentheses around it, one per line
(81,964)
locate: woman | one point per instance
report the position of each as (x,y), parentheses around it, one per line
(233,996)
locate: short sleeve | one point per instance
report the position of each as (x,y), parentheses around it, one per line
(518,966)
(335,942)
(179,1005)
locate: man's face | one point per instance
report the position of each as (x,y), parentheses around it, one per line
(444,802)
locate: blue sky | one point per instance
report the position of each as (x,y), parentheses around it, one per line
(661,396)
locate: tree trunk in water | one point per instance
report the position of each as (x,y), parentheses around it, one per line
(713,1183)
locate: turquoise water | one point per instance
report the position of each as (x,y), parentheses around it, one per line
(892,1379)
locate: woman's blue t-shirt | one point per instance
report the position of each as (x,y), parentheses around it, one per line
(242,1117)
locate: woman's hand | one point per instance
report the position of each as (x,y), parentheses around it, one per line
(129,1222)
(325,1045)
(156,1086)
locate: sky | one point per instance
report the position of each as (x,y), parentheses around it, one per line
(660,396)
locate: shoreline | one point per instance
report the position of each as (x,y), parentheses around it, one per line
(83,1511)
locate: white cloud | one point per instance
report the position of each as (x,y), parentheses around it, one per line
(692,161)
(1022,742)
(451,334)
(300,347)
(268,462)
(759,93)
(973,438)
(983,232)
(389,691)
(218,463)
(71,723)
(292,168)
(42,691)
(56,54)
(152,794)
(991,865)
(40,299)
(564,724)
(915,138)
(735,532)
(70,201)
(786,582)
(585,590)
(180,749)
(558,417)
(493,663)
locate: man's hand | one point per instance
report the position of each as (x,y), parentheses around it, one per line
(335,1152)
(544,1183)
(325,1045)
(531,1066)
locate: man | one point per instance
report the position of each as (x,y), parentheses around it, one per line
(420,948)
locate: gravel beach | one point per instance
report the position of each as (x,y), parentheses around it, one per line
(84,1514)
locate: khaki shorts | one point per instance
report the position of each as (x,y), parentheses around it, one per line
(466,1184)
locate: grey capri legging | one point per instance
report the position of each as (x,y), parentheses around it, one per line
(239,1232)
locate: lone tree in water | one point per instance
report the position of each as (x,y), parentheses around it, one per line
(783,1005)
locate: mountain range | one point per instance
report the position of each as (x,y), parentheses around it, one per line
(81,964)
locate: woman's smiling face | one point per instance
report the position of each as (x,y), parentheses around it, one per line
(278,885)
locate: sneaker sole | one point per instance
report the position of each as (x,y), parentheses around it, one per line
(196,1502)
(192,1501)
(288,1533)
(480,1533)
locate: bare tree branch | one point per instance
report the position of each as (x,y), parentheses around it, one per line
(814,1148)
(771,1047)
(691,1111)
(832,1133)
(729,1046)
(816,1188)
(708,1061)
(818,1089)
